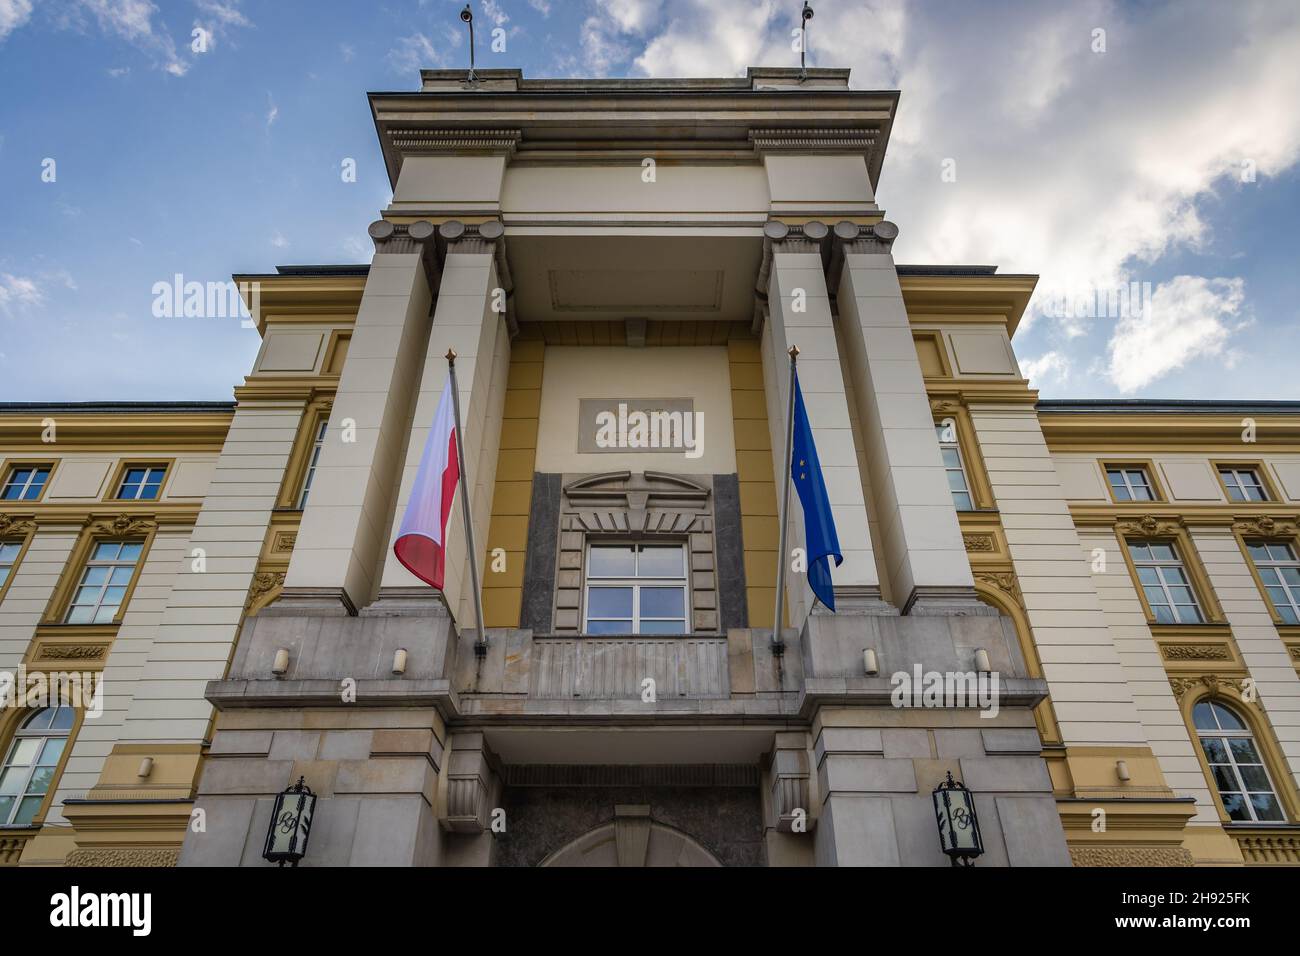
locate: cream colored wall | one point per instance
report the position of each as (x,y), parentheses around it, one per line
(680,191)
(85,477)
(1145,672)
(697,373)
(1186,478)
(32,583)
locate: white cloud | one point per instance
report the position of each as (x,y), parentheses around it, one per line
(16,291)
(1083,167)
(541,6)
(218,18)
(1051,366)
(13,14)
(494,12)
(272,111)
(414,53)
(1184,320)
(347,51)
(278,240)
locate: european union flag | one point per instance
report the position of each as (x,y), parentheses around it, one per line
(821,541)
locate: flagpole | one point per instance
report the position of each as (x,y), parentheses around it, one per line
(480,643)
(778,642)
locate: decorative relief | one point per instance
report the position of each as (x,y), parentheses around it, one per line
(122,525)
(284,542)
(1004,581)
(1295,652)
(1213,682)
(1266,527)
(264,582)
(1150,526)
(979,542)
(417,139)
(119,856)
(1130,856)
(16,526)
(72,652)
(1196,652)
(812,140)
(1265,849)
(945,406)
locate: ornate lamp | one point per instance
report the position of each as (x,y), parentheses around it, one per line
(286,837)
(959,827)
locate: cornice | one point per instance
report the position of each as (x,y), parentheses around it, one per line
(118,432)
(1239,517)
(1191,431)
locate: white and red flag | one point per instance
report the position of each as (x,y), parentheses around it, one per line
(422,539)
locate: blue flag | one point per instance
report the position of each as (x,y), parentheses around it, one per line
(821,541)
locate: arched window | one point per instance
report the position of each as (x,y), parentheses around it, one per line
(33,757)
(1236,764)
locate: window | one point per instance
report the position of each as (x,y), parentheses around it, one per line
(1130,483)
(312,460)
(1165,583)
(9,551)
(636,589)
(1235,763)
(141,483)
(1243,484)
(946,431)
(1279,571)
(25,483)
(29,767)
(108,573)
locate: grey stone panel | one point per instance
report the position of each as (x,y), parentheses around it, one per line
(1032,830)
(842,773)
(857,831)
(1012,741)
(1005,774)
(388,831)
(730,547)
(539,564)
(906,742)
(959,743)
(540,820)
(917,832)
(227,821)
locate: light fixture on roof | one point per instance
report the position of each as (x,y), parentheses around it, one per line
(804,16)
(467,15)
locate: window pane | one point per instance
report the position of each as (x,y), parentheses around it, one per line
(962,501)
(9,551)
(1163,552)
(609,602)
(1258,552)
(663,602)
(105,614)
(63,716)
(1203,717)
(1287,613)
(1243,750)
(1255,778)
(612,561)
(97,575)
(1291,576)
(52,750)
(1224,781)
(663,627)
(656,562)
(1140,552)
(1215,751)
(1148,576)
(1142,493)
(1235,805)
(6,807)
(1121,493)
(950,459)
(609,627)
(120,577)
(41,779)
(80,615)
(4,574)
(1227,719)
(956,481)
(114,595)
(1266,806)
(1189,614)
(130,551)
(1163,614)
(24,751)
(27,808)
(13,779)
(1281,552)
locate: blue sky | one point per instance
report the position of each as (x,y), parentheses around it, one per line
(1093,159)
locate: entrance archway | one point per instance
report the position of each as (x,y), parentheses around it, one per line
(632,839)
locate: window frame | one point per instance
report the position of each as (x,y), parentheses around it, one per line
(99,530)
(168,466)
(1263,748)
(10,734)
(636,583)
(1246,541)
(21,532)
(1149,472)
(955,446)
(1182,560)
(10,465)
(89,564)
(1261,473)
(312,461)
(314,415)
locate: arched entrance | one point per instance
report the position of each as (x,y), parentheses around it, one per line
(632,839)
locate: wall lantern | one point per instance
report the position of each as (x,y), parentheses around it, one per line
(959,827)
(286,838)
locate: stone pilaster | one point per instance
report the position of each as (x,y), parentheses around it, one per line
(926,560)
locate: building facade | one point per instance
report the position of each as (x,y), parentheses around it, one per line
(1087,612)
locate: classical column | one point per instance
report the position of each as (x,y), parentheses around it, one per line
(471,319)
(344,528)
(799,313)
(926,560)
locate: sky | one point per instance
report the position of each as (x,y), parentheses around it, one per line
(1146,148)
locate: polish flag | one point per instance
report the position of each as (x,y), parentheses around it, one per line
(422,539)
